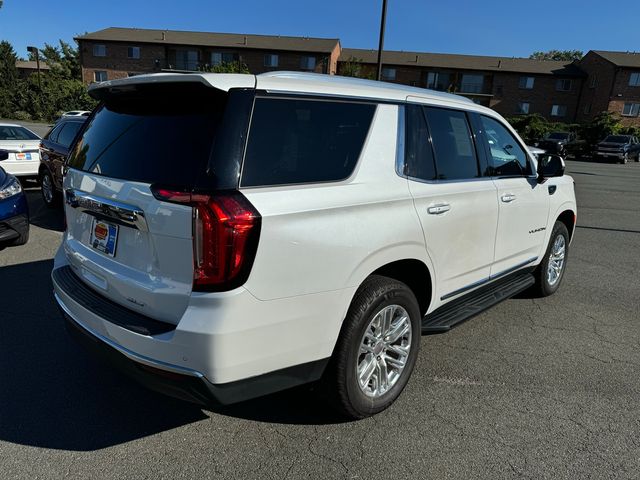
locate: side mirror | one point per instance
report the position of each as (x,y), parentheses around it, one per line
(549,166)
(3,155)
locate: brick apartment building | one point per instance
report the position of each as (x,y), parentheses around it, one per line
(561,91)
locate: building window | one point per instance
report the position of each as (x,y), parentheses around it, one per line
(99,50)
(308,63)
(499,90)
(593,81)
(527,82)
(388,73)
(587,109)
(100,76)
(133,52)
(472,83)
(271,60)
(558,110)
(186,59)
(631,109)
(563,85)
(523,108)
(634,80)
(438,81)
(218,58)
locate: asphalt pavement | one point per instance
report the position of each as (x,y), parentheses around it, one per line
(534,388)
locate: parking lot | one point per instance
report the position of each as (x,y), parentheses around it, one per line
(534,388)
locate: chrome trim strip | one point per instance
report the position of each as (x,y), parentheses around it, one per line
(128,353)
(121,212)
(488,279)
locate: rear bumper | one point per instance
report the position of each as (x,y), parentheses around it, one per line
(182,383)
(26,168)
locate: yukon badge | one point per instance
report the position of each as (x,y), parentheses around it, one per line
(134,301)
(538,230)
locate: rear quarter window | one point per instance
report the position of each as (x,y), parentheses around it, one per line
(294,141)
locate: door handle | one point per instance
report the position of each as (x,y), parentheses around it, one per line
(439,208)
(508,197)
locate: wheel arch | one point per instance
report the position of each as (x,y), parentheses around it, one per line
(568,217)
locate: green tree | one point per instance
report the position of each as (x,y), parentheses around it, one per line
(565,55)
(63,60)
(227,67)
(605,123)
(353,67)
(9,78)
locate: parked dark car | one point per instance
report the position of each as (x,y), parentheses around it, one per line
(54,149)
(14,212)
(560,143)
(621,148)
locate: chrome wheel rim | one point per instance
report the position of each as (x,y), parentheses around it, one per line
(384,351)
(556,260)
(47,188)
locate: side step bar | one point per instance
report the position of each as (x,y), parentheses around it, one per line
(471,304)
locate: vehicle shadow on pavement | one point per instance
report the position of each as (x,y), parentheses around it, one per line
(39,214)
(53,394)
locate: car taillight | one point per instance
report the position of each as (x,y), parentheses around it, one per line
(226,228)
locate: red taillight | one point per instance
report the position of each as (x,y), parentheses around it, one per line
(226,228)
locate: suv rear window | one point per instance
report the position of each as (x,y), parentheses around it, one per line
(300,141)
(153,134)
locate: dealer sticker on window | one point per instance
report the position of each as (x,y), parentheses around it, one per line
(104,236)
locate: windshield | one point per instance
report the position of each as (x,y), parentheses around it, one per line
(16,133)
(558,136)
(160,134)
(617,139)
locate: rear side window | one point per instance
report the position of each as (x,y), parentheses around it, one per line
(418,153)
(301,141)
(452,143)
(68,133)
(153,134)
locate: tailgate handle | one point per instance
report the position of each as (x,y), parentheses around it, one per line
(118,212)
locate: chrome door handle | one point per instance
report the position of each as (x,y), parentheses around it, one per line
(438,209)
(508,197)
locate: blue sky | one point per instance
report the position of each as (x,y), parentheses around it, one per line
(501,27)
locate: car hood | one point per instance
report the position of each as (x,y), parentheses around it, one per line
(19,145)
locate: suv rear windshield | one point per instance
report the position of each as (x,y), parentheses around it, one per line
(300,141)
(152,134)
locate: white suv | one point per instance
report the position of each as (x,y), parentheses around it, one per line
(229,236)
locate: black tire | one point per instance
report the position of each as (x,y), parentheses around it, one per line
(624,159)
(340,382)
(56,197)
(543,287)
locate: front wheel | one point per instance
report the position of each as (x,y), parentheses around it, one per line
(377,348)
(551,270)
(625,159)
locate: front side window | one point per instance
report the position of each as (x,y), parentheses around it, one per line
(563,85)
(527,82)
(302,141)
(388,73)
(634,79)
(308,63)
(99,50)
(523,108)
(133,52)
(506,157)
(558,110)
(100,76)
(271,60)
(631,109)
(472,83)
(418,153)
(454,151)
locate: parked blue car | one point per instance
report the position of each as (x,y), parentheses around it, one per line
(14,212)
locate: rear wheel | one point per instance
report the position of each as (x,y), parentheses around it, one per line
(377,348)
(50,195)
(551,270)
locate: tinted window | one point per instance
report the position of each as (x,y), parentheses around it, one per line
(16,133)
(68,133)
(616,139)
(452,144)
(558,136)
(506,157)
(161,133)
(418,153)
(300,141)
(53,133)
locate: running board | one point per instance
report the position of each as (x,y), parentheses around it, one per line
(471,304)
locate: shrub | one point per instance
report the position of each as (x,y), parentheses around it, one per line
(21,116)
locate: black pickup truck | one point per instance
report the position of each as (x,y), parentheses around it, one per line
(560,143)
(621,148)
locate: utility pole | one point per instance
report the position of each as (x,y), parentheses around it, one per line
(381,44)
(37,53)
